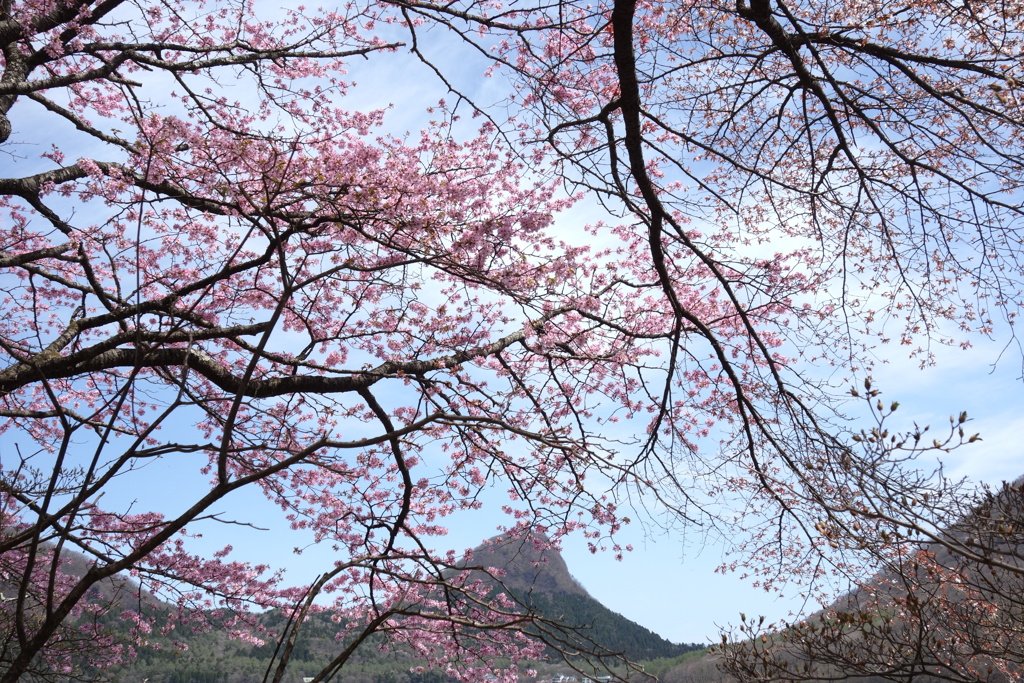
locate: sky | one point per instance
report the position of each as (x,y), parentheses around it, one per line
(668,582)
(673,589)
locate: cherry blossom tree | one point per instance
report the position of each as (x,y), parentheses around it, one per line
(370,330)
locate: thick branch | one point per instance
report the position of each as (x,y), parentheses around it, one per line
(65,367)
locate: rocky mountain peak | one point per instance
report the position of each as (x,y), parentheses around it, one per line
(530,564)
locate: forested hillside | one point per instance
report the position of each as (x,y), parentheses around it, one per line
(539,578)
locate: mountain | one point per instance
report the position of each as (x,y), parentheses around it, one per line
(539,577)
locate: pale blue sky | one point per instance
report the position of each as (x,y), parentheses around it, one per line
(668,582)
